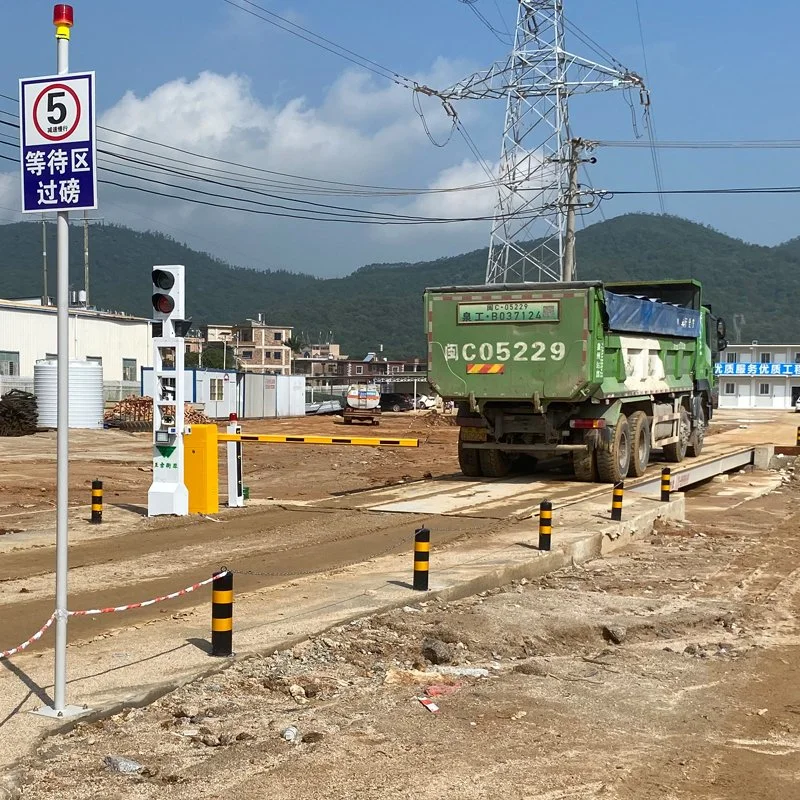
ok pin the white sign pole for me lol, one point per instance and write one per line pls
(57, 160)
(60, 708)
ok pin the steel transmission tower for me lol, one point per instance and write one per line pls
(538, 158)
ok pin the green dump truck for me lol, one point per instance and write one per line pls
(599, 373)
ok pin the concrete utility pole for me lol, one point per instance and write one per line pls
(572, 202)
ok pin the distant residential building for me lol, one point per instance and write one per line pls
(259, 347)
(330, 350)
(193, 344)
(262, 348)
(319, 371)
(217, 333)
(759, 376)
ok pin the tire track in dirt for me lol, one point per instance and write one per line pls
(284, 558)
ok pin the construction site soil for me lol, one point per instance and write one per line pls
(667, 671)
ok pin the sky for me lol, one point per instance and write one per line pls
(208, 78)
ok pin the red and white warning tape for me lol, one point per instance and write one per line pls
(130, 606)
(35, 637)
(38, 635)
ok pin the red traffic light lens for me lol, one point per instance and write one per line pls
(163, 303)
(163, 279)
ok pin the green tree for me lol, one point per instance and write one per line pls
(215, 356)
(295, 344)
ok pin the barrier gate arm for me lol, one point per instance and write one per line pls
(360, 441)
(201, 469)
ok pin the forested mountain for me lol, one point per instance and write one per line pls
(381, 303)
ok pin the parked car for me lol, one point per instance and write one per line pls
(425, 401)
(396, 402)
(797, 405)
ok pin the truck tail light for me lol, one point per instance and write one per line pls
(587, 424)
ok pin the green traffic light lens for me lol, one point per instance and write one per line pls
(163, 279)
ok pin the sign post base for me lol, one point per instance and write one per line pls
(66, 713)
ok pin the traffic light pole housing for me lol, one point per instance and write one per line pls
(168, 494)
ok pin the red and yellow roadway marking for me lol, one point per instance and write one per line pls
(486, 369)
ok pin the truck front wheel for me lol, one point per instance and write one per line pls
(469, 461)
(495, 463)
(613, 461)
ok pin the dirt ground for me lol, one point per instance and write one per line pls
(123, 462)
(634, 721)
(667, 671)
(130, 557)
(300, 472)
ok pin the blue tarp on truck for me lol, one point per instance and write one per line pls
(629, 314)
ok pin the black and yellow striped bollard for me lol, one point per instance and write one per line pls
(616, 501)
(97, 502)
(222, 614)
(797, 440)
(422, 557)
(666, 484)
(545, 524)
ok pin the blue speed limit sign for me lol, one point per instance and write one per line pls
(57, 143)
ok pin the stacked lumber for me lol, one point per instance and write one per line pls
(140, 409)
(18, 415)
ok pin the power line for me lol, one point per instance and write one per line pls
(341, 213)
(503, 38)
(591, 44)
(327, 186)
(649, 121)
(757, 144)
(273, 209)
(609, 193)
(475, 151)
(503, 19)
(324, 43)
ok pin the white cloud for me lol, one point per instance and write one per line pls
(469, 203)
(362, 130)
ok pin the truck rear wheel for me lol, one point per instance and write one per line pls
(469, 461)
(613, 462)
(585, 465)
(640, 444)
(495, 463)
(676, 452)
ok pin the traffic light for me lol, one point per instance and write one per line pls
(168, 300)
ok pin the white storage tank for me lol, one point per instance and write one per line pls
(86, 400)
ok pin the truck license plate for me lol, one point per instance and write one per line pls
(473, 434)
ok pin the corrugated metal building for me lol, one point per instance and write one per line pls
(28, 333)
